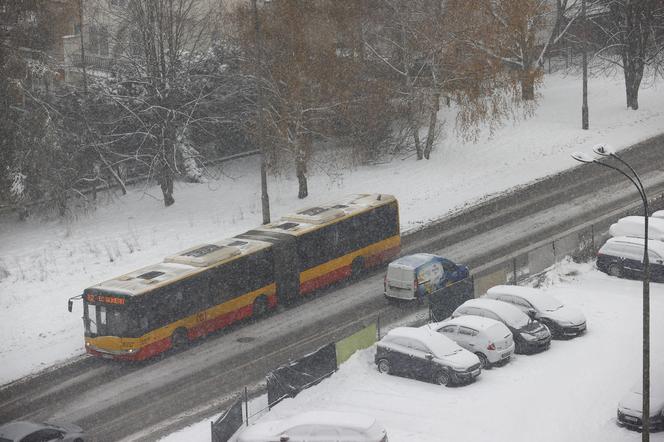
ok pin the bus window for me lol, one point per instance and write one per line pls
(117, 322)
(90, 318)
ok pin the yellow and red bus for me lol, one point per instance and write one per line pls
(209, 286)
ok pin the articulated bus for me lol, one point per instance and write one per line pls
(209, 286)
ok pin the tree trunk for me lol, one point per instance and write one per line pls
(301, 170)
(633, 76)
(166, 183)
(433, 118)
(416, 137)
(527, 85)
(301, 166)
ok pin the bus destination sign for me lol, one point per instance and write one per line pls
(105, 299)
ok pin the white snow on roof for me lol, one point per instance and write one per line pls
(634, 226)
(654, 245)
(504, 310)
(472, 321)
(437, 343)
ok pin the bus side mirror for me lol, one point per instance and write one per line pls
(70, 304)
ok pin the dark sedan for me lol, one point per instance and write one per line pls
(33, 431)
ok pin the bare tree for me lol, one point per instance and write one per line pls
(166, 83)
(633, 33)
(518, 33)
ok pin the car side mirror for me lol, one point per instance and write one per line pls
(70, 305)
(429, 356)
(532, 313)
(284, 438)
(659, 261)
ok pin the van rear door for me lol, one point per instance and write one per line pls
(400, 282)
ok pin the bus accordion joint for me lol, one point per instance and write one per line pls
(70, 302)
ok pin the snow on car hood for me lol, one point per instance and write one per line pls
(462, 359)
(566, 314)
(633, 401)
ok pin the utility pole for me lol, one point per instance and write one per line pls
(80, 21)
(584, 106)
(265, 199)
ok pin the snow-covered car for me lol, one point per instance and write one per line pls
(416, 276)
(38, 431)
(489, 339)
(317, 426)
(424, 354)
(630, 407)
(658, 214)
(623, 256)
(635, 226)
(562, 320)
(529, 334)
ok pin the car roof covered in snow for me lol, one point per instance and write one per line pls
(654, 245)
(505, 311)
(471, 321)
(414, 261)
(437, 343)
(273, 429)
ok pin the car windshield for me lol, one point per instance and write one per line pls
(546, 303)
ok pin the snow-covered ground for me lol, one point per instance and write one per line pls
(568, 393)
(44, 263)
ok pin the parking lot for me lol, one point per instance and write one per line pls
(569, 392)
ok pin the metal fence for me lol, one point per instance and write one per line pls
(289, 380)
(228, 423)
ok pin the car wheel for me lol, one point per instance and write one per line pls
(384, 366)
(442, 378)
(260, 307)
(552, 329)
(179, 339)
(484, 361)
(615, 270)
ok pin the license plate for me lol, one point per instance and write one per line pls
(107, 356)
(631, 419)
(506, 355)
(476, 373)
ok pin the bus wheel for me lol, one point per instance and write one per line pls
(179, 339)
(357, 268)
(260, 307)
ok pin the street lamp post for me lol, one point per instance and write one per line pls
(603, 151)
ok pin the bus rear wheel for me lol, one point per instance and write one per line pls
(179, 339)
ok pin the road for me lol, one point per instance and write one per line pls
(148, 400)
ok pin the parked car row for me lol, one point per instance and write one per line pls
(480, 333)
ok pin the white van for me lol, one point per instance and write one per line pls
(416, 276)
(489, 339)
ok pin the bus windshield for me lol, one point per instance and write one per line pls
(104, 320)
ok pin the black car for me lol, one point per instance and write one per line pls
(622, 256)
(530, 336)
(37, 431)
(424, 354)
